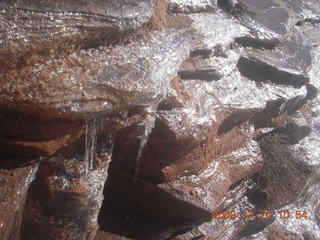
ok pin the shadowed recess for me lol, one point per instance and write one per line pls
(259, 71)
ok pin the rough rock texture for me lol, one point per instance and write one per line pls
(14, 187)
(144, 117)
(33, 31)
(69, 203)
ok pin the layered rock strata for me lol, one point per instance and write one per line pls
(138, 119)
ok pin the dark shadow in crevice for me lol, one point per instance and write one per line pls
(206, 75)
(313, 21)
(19, 126)
(232, 7)
(163, 148)
(168, 105)
(268, 44)
(204, 53)
(14, 155)
(235, 119)
(258, 199)
(141, 210)
(259, 71)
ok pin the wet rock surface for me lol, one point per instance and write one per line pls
(69, 204)
(73, 25)
(145, 118)
(15, 184)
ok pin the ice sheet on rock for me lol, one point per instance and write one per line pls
(265, 18)
(95, 182)
(204, 190)
(153, 64)
(314, 72)
(209, 187)
(222, 61)
(226, 64)
(310, 148)
(234, 91)
(305, 9)
(34, 31)
(106, 78)
(197, 114)
(125, 14)
(199, 105)
(243, 162)
(293, 55)
(76, 194)
(153, 61)
(217, 29)
(250, 154)
(18, 29)
(191, 6)
(199, 3)
(301, 226)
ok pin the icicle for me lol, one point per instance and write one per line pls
(143, 143)
(107, 147)
(90, 144)
(148, 125)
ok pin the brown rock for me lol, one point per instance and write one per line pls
(153, 200)
(49, 33)
(64, 201)
(101, 235)
(14, 185)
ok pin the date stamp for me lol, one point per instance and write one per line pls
(261, 214)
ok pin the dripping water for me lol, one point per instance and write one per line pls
(90, 144)
(147, 126)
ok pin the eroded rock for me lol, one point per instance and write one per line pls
(202, 100)
(72, 25)
(187, 7)
(14, 187)
(80, 84)
(69, 203)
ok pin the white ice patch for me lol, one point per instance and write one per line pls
(238, 92)
(193, 3)
(314, 72)
(217, 29)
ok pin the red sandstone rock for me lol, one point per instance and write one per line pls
(14, 186)
(68, 204)
(199, 99)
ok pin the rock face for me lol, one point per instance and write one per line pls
(14, 187)
(142, 119)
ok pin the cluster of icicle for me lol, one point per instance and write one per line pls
(92, 131)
